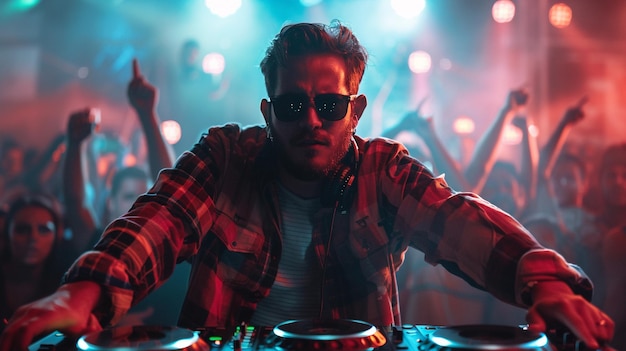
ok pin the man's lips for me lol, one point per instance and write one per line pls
(310, 142)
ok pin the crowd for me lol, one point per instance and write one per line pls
(571, 204)
(55, 207)
(44, 230)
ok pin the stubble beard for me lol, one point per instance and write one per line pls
(307, 171)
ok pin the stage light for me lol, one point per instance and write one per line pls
(463, 125)
(408, 8)
(213, 63)
(503, 11)
(129, 160)
(309, 3)
(15, 6)
(533, 131)
(171, 131)
(560, 15)
(82, 72)
(512, 135)
(223, 8)
(419, 62)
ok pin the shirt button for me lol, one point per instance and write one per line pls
(234, 243)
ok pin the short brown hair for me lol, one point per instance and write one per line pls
(314, 38)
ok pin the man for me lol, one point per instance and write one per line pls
(243, 202)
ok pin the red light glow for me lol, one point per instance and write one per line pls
(560, 15)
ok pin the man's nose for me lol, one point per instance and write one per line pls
(311, 119)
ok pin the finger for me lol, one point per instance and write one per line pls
(136, 72)
(536, 323)
(605, 328)
(18, 339)
(582, 101)
(94, 323)
(583, 325)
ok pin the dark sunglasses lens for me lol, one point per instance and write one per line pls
(290, 107)
(332, 107)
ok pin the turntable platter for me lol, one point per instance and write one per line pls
(344, 334)
(142, 338)
(488, 337)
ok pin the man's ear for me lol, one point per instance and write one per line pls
(360, 103)
(265, 110)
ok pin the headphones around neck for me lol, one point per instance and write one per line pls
(338, 190)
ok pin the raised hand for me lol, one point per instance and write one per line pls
(142, 95)
(415, 121)
(575, 113)
(80, 125)
(423, 126)
(516, 99)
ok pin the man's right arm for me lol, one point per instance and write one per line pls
(68, 310)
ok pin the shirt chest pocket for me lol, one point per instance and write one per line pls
(240, 256)
(371, 247)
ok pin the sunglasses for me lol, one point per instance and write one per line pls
(292, 107)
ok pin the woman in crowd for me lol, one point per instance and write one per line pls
(31, 266)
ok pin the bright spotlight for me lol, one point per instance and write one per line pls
(213, 63)
(560, 15)
(533, 130)
(14, 6)
(223, 8)
(171, 131)
(463, 125)
(82, 72)
(512, 135)
(309, 3)
(419, 62)
(503, 11)
(408, 8)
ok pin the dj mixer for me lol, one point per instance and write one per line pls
(348, 335)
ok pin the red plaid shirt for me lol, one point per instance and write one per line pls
(218, 208)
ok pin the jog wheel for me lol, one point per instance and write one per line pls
(142, 338)
(487, 337)
(337, 334)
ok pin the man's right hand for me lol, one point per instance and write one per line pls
(142, 95)
(68, 310)
(516, 99)
(80, 126)
(575, 113)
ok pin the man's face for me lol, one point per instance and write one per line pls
(613, 183)
(129, 191)
(311, 147)
(568, 184)
(13, 162)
